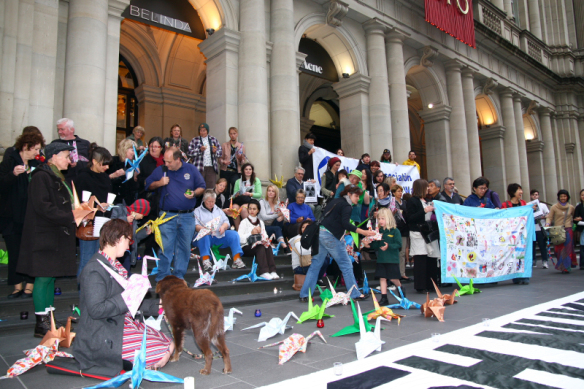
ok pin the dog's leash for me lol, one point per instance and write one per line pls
(216, 354)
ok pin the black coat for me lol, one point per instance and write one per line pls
(124, 191)
(415, 213)
(82, 151)
(579, 212)
(13, 193)
(98, 340)
(48, 239)
(99, 184)
(306, 162)
(147, 166)
(455, 199)
(339, 218)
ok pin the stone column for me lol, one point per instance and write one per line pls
(354, 112)
(222, 52)
(8, 70)
(499, 4)
(558, 149)
(508, 7)
(398, 96)
(522, 152)
(60, 66)
(534, 18)
(494, 158)
(570, 147)
(536, 170)
(472, 130)
(116, 7)
(437, 129)
(44, 66)
(578, 162)
(458, 131)
(253, 86)
(22, 75)
(379, 108)
(549, 159)
(85, 67)
(285, 104)
(512, 169)
(581, 132)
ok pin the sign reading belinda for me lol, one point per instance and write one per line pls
(454, 17)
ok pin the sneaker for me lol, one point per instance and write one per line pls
(545, 265)
(392, 287)
(267, 276)
(275, 275)
(207, 265)
(238, 264)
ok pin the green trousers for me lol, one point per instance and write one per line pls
(44, 293)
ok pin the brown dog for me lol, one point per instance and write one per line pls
(200, 310)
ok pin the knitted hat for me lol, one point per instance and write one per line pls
(140, 206)
(332, 161)
(204, 125)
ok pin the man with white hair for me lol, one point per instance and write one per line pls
(295, 183)
(80, 154)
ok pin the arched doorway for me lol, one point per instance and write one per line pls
(127, 113)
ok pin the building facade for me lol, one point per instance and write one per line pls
(377, 76)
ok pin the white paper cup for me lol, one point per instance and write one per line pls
(189, 382)
(110, 198)
(85, 195)
(338, 368)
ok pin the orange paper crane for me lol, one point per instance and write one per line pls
(448, 298)
(382, 311)
(433, 308)
(232, 212)
(63, 335)
(83, 211)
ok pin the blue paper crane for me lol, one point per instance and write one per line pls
(155, 270)
(365, 289)
(135, 164)
(276, 249)
(252, 274)
(139, 372)
(404, 303)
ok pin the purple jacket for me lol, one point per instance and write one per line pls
(197, 155)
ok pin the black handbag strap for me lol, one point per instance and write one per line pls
(324, 216)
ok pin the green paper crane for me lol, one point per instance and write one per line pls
(215, 250)
(326, 294)
(314, 312)
(356, 235)
(467, 289)
(354, 328)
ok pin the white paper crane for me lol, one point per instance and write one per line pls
(340, 297)
(154, 323)
(370, 341)
(204, 278)
(273, 327)
(229, 321)
(135, 287)
(220, 264)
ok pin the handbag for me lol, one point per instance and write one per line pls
(309, 238)
(557, 234)
(85, 231)
(253, 239)
(305, 260)
(429, 231)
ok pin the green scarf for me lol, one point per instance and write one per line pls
(58, 173)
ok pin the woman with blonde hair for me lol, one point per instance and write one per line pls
(124, 190)
(271, 215)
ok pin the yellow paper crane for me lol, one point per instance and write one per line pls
(280, 183)
(156, 228)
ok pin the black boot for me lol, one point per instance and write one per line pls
(43, 324)
(383, 302)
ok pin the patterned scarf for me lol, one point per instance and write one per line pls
(118, 266)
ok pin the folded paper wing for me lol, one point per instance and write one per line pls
(384, 312)
(448, 298)
(369, 341)
(135, 164)
(204, 278)
(36, 356)
(314, 311)
(251, 275)
(155, 224)
(355, 327)
(229, 321)
(62, 336)
(208, 228)
(433, 307)
(83, 211)
(404, 303)
(339, 297)
(273, 327)
(467, 289)
(292, 344)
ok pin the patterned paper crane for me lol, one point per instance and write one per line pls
(292, 344)
(384, 312)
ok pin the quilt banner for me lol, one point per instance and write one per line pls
(487, 245)
(405, 175)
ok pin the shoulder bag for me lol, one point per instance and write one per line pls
(309, 238)
(557, 234)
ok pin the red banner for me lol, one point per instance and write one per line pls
(454, 17)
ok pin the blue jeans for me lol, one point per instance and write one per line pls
(86, 250)
(329, 244)
(304, 270)
(542, 243)
(177, 234)
(231, 240)
(276, 230)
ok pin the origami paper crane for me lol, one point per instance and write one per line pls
(251, 276)
(368, 239)
(154, 323)
(220, 263)
(433, 307)
(280, 183)
(135, 287)
(326, 294)
(155, 270)
(369, 341)
(314, 312)
(384, 312)
(232, 212)
(283, 207)
(229, 321)
(139, 372)
(365, 289)
(355, 327)
(339, 297)
(63, 336)
(404, 303)
(135, 164)
(356, 235)
(155, 224)
(277, 248)
(204, 278)
(208, 228)
(83, 211)
(448, 298)
(273, 327)
(36, 356)
(292, 344)
(467, 289)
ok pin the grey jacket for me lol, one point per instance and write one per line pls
(121, 212)
(98, 343)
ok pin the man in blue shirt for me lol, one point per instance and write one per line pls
(179, 183)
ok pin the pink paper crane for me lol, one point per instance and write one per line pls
(204, 278)
(135, 287)
(208, 228)
(339, 297)
(292, 344)
(36, 356)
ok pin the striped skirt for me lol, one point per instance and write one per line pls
(157, 343)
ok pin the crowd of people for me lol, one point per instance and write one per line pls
(187, 187)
